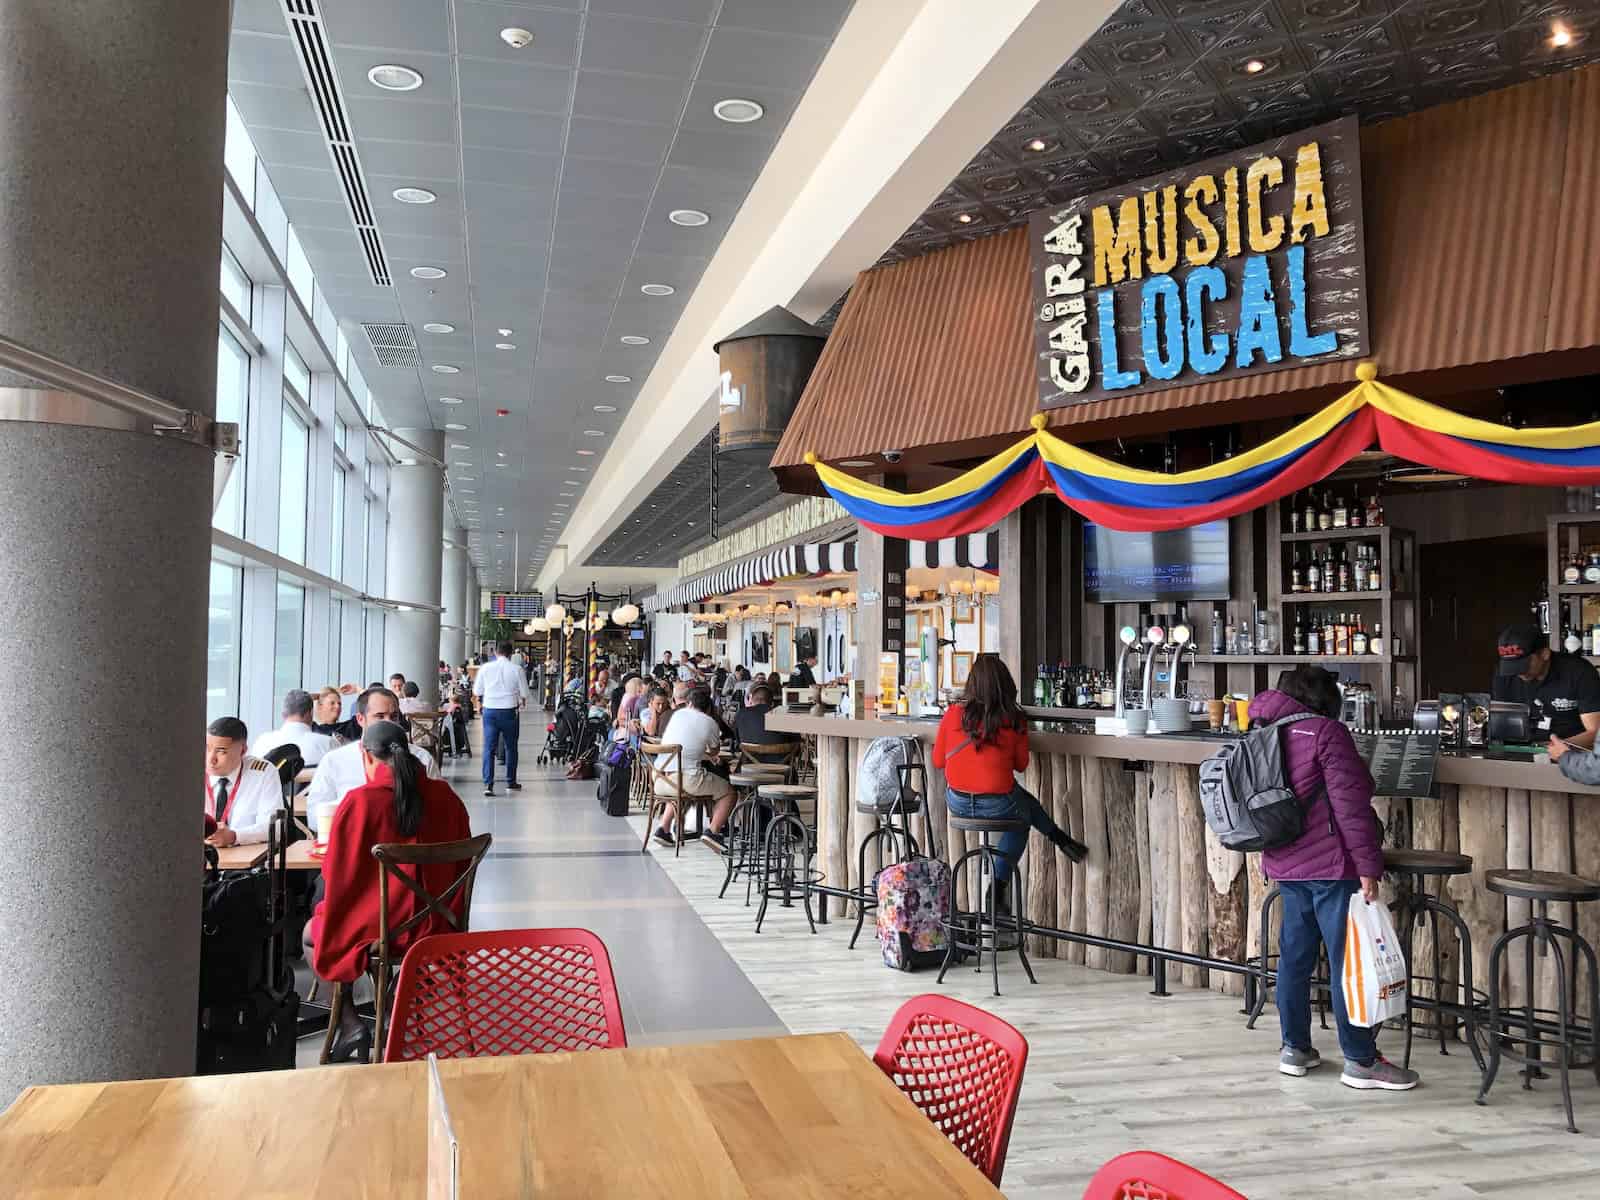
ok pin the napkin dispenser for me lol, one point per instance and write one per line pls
(1510, 723)
(1425, 718)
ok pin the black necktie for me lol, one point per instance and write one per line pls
(222, 801)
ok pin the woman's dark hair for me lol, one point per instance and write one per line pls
(1313, 687)
(386, 742)
(989, 702)
(700, 698)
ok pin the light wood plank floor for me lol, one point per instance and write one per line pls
(1114, 1069)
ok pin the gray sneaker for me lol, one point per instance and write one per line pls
(1382, 1075)
(1298, 1062)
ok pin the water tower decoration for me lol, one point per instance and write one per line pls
(765, 366)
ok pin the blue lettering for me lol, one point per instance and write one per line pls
(1303, 343)
(1161, 365)
(1258, 316)
(1111, 379)
(1207, 356)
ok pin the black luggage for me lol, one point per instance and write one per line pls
(235, 929)
(616, 785)
(255, 1033)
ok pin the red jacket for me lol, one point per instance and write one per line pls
(983, 768)
(346, 922)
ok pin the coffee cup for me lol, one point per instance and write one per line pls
(1216, 710)
(323, 812)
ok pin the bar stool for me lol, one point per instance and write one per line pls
(1527, 1025)
(985, 922)
(788, 849)
(907, 802)
(1414, 906)
(1264, 978)
(747, 826)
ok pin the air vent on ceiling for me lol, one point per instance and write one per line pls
(392, 343)
(316, 63)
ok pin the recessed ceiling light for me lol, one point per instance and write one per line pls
(450, 400)
(1037, 145)
(1560, 36)
(605, 408)
(738, 111)
(690, 217)
(438, 327)
(453, 427)
(459, 446)
(594, 433)
(619, 378)
(392, 77)
(964, 218)
(499, 464)
(575, 467)
(569, 493)
(856, 462)
(505, 346)
(572, 483)
(1255, 66)
(634, 339)
(466, 491)
(472, 479)
(500, 453)
(658, 289)
(503, 332)
(516, 37)
(587, 453)
(414, 195)
(445, 369)
(428, 272)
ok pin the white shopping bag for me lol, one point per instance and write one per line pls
(1374, 967)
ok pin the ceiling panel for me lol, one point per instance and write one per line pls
(613, 43)
(555, 33)
(713, 150)
(394, 24)
(616, 96)
(757, 59)
(401, 120)
(814, 18)
(280, 107)
(508, 129)
(526, 88)
(619, 141)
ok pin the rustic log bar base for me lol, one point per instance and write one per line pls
(1159, 896)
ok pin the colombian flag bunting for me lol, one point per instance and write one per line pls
(1120, 497)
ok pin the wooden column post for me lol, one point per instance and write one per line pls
(1193, 921)
(833, 781)
(1109, 820)
(1166, 859)
(1039, 863)
(1225, 902)
(1483, 836)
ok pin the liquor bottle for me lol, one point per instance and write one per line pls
(1573, 571)
(1591, 568)
(1308, 515)
(1341, 514)
(1356, 516)
(1374, 574)
(1314, 573)
(1294, 513)
(1344, 572)
(1358, 639)
(1378, 518)
(1570, 642)
(1218, 646)
(1375, 642)
(1341, 635)
(1374, 515)
(1314, 637)
(1325, 513)
(1297, 575)
(1300, 632)
(1330, 642)
(1041, 684)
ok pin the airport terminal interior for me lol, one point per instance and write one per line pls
(800, 598)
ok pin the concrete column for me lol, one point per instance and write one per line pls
(415, 562)
(474, 610)
(453, 640)
(111, 130)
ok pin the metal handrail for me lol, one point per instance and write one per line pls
(170, 420)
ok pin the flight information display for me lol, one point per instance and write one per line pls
(1168, 564)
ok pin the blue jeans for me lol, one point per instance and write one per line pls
(500, 723)
(1019, 804)
(1314, 912)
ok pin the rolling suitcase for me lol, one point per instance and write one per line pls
(913, 898)
(615, 787)
(255, 1033)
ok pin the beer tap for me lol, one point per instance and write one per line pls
(1128, 638)
(1156, 637)
(1181, 640)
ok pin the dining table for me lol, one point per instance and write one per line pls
(798, 1116)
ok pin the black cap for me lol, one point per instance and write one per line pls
(1518, 644)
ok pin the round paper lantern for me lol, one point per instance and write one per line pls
(556, 613)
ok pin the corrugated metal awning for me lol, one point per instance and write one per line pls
(1482, 237)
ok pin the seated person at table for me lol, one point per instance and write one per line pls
(981, 743)
(242, 791)
(653, 713)
(804, 675)
(295, 731)
(410, 701)
(774, 683)
(751, 723)
(328, 715)
(629, 703)
(395, 802)
(341, 770)
(693, 728)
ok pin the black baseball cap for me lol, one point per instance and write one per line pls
(1518, 644)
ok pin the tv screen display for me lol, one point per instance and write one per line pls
(1176, 564)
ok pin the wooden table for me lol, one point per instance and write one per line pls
(241, 858)
(799, 1117)
(306, 775)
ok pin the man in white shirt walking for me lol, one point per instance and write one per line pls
(343, 769)
(502, 690)
(242, 791)
(296, 730)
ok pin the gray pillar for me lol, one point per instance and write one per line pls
(474, 609)
(453, 595)
(111, 128)
(415, 562)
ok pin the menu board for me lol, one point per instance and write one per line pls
(1402, 761)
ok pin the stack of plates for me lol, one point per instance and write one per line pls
(1171, 716)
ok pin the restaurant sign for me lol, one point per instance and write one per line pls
(1251, 261)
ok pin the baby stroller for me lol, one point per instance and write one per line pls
(565, 733)
(454, 732)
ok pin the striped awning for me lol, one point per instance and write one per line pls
(977, 551)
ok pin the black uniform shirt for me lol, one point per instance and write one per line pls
(1570, 688)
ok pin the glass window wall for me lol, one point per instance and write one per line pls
(289, 640)
(222, 642)
(293, 466)
(233, 402)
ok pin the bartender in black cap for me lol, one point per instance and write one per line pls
(1562, 691)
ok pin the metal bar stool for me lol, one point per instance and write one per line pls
(1261, 981)
(985, 922)
(1414, 906)
(789, 848)
(747, 827)
(906, 802)
(1528, 1026)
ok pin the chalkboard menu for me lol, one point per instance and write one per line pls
(1402, 761)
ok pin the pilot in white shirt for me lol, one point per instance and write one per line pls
(296, 730)
(341, 769)
(241, 791)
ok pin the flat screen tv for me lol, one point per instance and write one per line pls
(1176, 564)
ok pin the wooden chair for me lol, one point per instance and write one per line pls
(672, 776)
(756, 757)
(513, 991)
(392, 857)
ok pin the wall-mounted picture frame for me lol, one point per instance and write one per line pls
(785, 652)
(960, 668)
(962, 610)
(805, 643)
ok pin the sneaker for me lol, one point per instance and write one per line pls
(715, 841)
(513, 786)
(1298, 1062)
(489, 791)
(1382, 1075)
(663, 836)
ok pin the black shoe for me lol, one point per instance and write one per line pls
(715, 841)
(1071, 847)
(352, 1049)
(513, 786)
(662, 836)
(489, 790)
(1002, 899)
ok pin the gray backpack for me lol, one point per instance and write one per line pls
(892, 775)
(1245, 792)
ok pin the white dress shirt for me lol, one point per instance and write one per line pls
(313, 745)
(501, 684)
(254, 794)
(342, 770)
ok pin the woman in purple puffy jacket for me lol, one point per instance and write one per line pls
(1338, 854)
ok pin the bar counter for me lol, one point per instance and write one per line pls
(1157, 877)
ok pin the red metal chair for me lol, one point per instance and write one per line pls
(1146, 1175)
(963, 1068)
(512, 991)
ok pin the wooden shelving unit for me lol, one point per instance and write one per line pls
(1564, 538)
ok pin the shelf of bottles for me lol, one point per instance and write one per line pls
(1570, 609)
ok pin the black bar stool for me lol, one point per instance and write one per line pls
(789, 848)
(746, 829)
(984, 924)
(901, 843)
(1263, 979)
(1414, 906)
(1527, 1026)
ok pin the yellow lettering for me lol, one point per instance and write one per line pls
(1230, 210)
(1161, 230)
(1117, 254)
(1310, 201)
(1264, 175)
(1201, 249)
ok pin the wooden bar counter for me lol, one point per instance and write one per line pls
(1155, 875)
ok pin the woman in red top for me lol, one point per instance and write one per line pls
(982, 741)
(398, 803)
